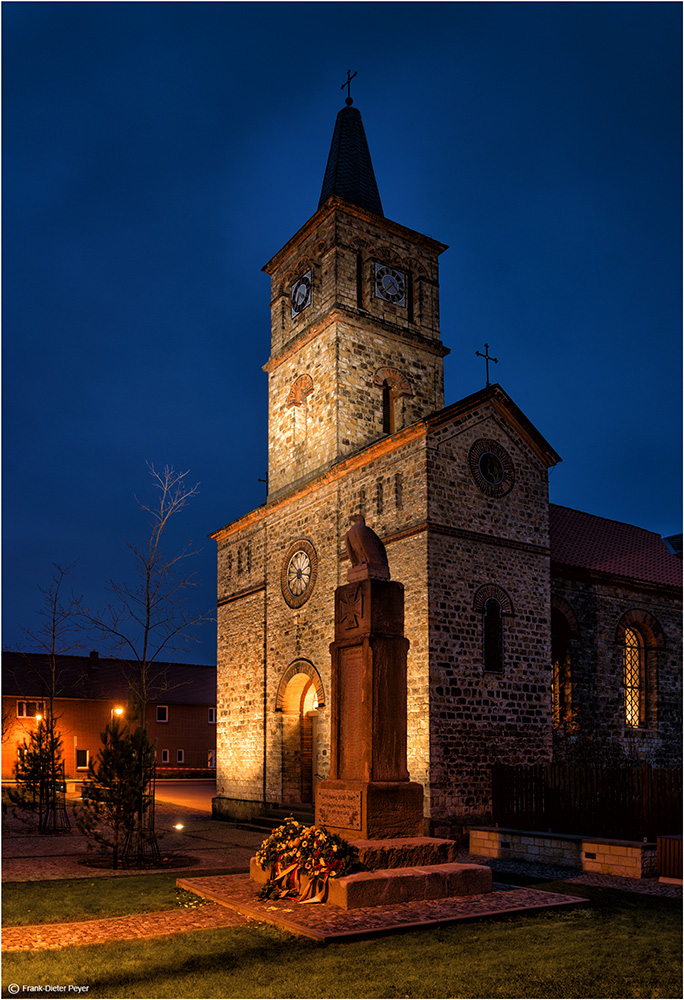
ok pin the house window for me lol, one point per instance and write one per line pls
(162, 713)
(211, 758)
(81, 760)
(30, 709)
(165, 756)
(492, 624)
(180, 756)
(212, 716)
(633, 664)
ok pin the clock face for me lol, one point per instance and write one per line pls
(390, 284)
(301, 294)
(298, 573)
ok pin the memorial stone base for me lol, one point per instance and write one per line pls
(398, 885)
(370, 810)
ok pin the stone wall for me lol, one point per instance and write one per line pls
(627, 858)
(598, 604)
(500, 543)
(328, 364)
(388, 485)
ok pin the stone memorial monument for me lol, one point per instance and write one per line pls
(368, 794)
(368, 798)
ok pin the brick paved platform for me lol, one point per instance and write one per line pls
(327, 923)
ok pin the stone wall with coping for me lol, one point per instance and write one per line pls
(628, 858)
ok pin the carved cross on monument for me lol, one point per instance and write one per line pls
(487, 358)
(349, 100)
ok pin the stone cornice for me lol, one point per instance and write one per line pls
(342, 314)
(504, 405)
(335, 203)
(365, 456)
(239, 594)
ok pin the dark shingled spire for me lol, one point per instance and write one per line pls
(349, 172)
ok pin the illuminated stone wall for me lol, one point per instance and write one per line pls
(497, 542)
(388, 485)
(328, 363)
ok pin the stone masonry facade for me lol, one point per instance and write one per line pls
(459, 495)
(598, 607)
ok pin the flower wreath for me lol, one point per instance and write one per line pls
(301, 859)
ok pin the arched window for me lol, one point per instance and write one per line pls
(492, 623)
(640, 641)
(493, 603)
(387, 409)
(395, 385)
(634, 671)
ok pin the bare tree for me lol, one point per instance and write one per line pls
(57, 635)
(146, 622)
(40, 771)
(151, 619)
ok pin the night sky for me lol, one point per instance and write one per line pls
(156, 155)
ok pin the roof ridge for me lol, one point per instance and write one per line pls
(600, 517)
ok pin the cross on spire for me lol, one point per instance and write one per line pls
(349, 100)
(487, 358)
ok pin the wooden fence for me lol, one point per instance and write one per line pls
(625, 803)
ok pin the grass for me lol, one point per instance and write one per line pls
(624, 945)
(88, 899)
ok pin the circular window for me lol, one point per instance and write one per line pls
(298, 573)
(491, 467)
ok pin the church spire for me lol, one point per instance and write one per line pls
(349, 173)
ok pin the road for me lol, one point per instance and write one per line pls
(194, 793)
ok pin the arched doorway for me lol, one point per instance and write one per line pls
(300, 695)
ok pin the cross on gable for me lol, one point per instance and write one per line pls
(487, 358)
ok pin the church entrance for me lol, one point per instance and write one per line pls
(299, 704)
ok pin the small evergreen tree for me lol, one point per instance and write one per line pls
(39, 774)
(121, 788)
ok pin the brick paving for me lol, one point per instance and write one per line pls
(51, 937)
(328, 923)
(212, 846)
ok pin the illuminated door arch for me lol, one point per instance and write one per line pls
(300, 695)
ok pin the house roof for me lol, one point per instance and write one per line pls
(349, 171)
(596, 543)
(102, 678)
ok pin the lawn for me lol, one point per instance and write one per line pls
(623, 945)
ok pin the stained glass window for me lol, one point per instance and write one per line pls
(633, 665)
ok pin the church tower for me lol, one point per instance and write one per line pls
(355, 344)
(458, 495)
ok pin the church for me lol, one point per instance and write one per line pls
(537, 633)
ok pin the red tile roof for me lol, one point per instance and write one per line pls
(590, 542)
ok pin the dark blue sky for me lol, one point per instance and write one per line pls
(156, 155)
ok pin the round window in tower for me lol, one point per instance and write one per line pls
(491, 467)
(298, 573)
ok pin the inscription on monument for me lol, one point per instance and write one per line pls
(339, 807)
(351, 745)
